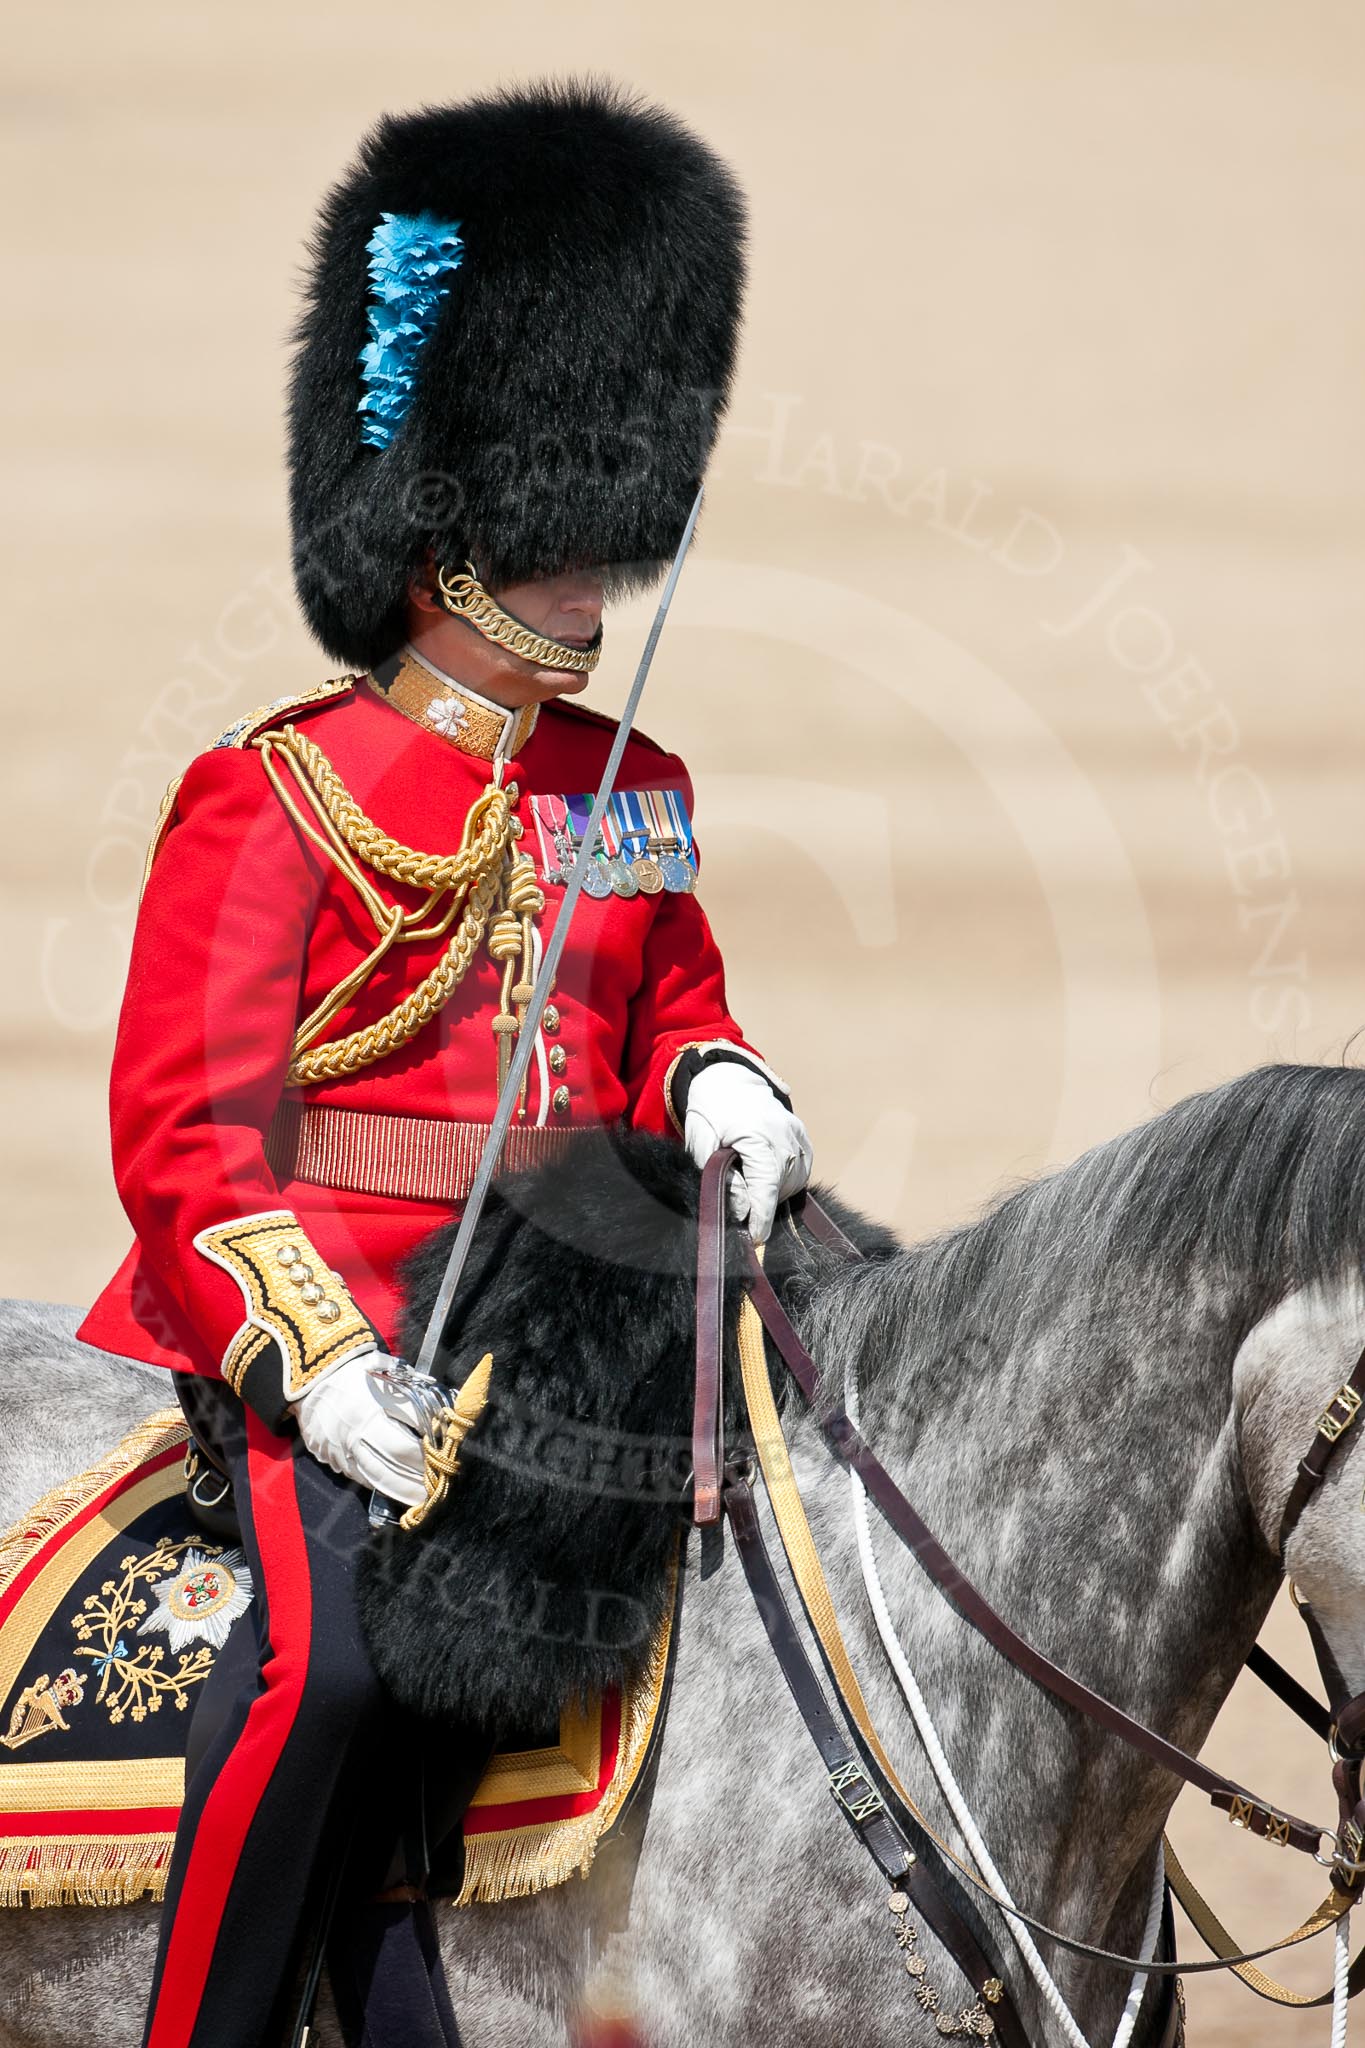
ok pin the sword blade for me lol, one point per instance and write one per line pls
(525, 1047)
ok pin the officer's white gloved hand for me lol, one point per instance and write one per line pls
(343, 1424)
(730, 1104)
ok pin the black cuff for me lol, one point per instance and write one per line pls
(689, 1064)
(261, 1387)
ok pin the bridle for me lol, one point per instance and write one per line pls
(861, 1777)
(1345, 1719)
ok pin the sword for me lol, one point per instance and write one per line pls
(398, 1398)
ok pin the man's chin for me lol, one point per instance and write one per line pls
(562, 682)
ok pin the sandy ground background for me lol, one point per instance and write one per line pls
(1041, 502)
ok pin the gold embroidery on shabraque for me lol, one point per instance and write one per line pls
(38, 1709)
(133, 1680)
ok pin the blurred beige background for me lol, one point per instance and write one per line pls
(1019, 662)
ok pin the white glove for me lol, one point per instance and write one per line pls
(730, 1104)
(343, 1424)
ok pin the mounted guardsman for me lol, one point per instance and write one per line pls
(517, 346)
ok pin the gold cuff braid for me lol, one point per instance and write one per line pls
(464, 597)
(291, 1296)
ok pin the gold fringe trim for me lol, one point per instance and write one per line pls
(516, 1862)
(520, 1861)
(95, 1870)
(158, 1432)
(84, 1870)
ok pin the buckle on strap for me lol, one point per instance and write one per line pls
(1259, 1820)
(1333, 1425)
(1353, 1755)
(1345, 1861)
(859, 1798)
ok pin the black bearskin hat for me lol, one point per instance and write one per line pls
(517, 345)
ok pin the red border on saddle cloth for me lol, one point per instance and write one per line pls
(27, 1573)
(520, 1837)
(525, 1813)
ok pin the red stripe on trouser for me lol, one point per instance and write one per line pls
(236, 1791)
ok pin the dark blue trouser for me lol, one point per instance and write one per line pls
(297, 1757)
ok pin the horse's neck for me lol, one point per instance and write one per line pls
(1099, 1505)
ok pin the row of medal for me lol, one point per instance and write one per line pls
(645, 845)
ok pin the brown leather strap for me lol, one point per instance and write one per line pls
(819, 1223)
(1346, 1726)
(1343, 1724)
(1243, 1807)
(1287, 1689)
(852, 1784)
(1317, 1924)
(1333, 1423)
(1347, 1732)
(1346, 1741)
(708, 1416)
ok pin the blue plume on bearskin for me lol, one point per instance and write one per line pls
(560, 406)
(410, 255)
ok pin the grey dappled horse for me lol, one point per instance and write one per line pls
(1096, 1395)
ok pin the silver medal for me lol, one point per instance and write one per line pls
(677, 873)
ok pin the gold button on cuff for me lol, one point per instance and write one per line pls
(559, 1059)
(559, 1101)
(550, 1018)
(290, 1296)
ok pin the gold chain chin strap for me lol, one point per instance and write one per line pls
(485, 879)
(465, 598)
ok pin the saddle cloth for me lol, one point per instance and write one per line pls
(113, 1607)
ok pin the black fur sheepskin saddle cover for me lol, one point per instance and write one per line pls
(543, 1577)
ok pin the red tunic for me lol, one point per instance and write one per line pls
(244, 926)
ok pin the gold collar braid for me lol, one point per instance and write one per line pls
(465, 598)
(490, 886)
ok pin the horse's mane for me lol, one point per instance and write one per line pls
(1239, 1195)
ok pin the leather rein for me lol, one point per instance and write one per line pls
(862, 1780)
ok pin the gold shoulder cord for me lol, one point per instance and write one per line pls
(490, 888)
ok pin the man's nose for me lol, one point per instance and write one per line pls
(583, 597)
(584, 609)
